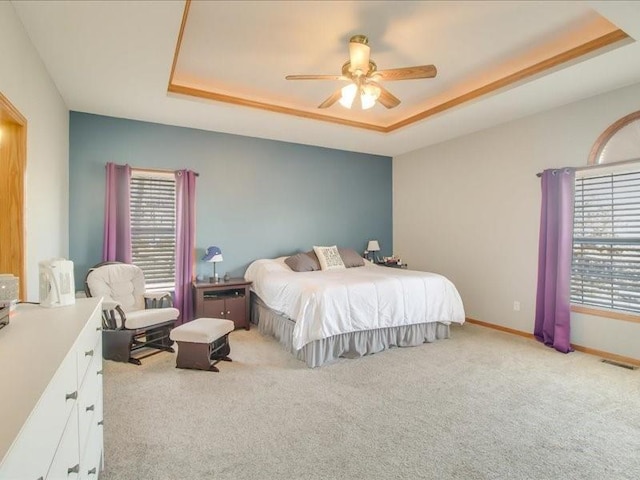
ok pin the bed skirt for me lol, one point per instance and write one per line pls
(348, 345)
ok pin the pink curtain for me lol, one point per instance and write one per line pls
(117, 226)
(552, 325)
(185, 242)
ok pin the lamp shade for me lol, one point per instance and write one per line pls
(213, 254)
(373, 246)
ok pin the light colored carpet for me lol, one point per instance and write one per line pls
(481, 405)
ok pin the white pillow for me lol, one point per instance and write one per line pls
(329, 258)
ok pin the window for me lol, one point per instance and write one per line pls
(605, 271)
(606, 241)
(153, 227)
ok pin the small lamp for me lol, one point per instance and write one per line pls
(213, 255)
(373, 246)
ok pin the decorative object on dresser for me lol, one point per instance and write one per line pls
(213, 255)
(51, 415)
(133, 319)
(4, 315)
(8, 297)
(56, 283)
(9, 286)
(228, 300)
(202, 343)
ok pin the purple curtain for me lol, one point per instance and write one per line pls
(117, 228)
(185, 242)
(554, 259)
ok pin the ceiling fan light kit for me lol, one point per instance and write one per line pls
(364, 76)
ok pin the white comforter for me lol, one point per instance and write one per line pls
(327, 303)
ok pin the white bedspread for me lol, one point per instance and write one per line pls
(327, 303)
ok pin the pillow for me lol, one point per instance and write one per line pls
(303, 262)
(351, 258)
(329, 258)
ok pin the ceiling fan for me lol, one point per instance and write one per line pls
(364, 77)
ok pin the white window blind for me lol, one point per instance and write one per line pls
(153, 227)
(606, 242)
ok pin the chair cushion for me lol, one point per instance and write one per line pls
(121, 282)
(202, 330)
(152, 316)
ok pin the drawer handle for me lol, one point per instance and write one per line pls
(90, 408)
(222, 313)
(92, 471)
(88, 353)
(74, 469)
(98, 329)
(71, 396)
(228, 312)
(40, 478)
(99, 372)
(100, 423)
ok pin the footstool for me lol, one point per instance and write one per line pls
(202, 343)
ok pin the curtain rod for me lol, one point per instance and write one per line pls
(163, 170)
(600, 165)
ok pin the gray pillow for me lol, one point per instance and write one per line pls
(351, 258)
(303, 262)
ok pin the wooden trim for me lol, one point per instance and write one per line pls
(501, 328)
(219, 97)
(10, 113)
(176, 53)
(591, 351)
(538, 68)
(605, 136)
(157, 170)
(627, 317)
(518, 76)
(13, 162)
(609, 356)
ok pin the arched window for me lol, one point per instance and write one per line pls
(618, 143)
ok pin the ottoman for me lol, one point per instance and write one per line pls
(202, 343)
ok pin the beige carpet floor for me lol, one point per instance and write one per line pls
(481, 405)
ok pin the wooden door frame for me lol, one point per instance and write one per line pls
(13, 132)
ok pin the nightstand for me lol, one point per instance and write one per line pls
(227, 300)
(394, 265)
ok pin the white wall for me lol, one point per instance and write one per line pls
(25, 82)
(469, 208)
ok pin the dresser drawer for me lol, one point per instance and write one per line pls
(89, 398)
(87, 341)
(66, 462)
(91, 463)
(30, 455)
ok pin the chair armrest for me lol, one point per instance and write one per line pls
(108, 304)
(110, 311)
(157, 299)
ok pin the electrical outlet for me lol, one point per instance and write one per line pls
(516, 305)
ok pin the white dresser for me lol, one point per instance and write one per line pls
(51, 393)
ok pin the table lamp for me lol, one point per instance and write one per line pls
(372, 248)
(213, 255)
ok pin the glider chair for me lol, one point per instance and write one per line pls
(132, 319)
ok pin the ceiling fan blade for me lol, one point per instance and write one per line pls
(359, 53)
(387, 99)
(315, 77)
(335, 96)
(407, 73)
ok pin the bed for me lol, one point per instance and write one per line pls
(322, 315)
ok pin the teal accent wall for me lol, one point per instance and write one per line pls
(255, 198)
